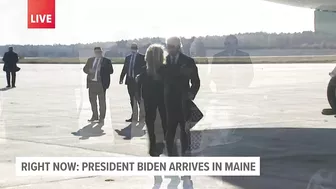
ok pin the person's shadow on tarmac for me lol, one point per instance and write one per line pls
(132, 130)
(6, 89)
(90, 130)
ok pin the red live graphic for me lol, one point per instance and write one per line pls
(41, 14)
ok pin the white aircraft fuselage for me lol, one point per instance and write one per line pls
(326, 5)
(325, 13)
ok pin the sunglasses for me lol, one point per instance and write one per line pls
(171, 46)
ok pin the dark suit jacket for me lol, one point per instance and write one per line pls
(106, 70)
(139, 66)
(149, 87)
(175, 81)
(242, 57)
(10, 62)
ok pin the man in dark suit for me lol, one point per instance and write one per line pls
(98, 70)
(178, 73)
(231, 50)
(133, 65)
(10, 59)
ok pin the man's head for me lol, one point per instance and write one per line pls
(134, 48)
(231, 43)
(10, 49)
(98, 51)
(174, 45)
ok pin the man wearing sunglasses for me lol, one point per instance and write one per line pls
(180, 70)
(133, 66)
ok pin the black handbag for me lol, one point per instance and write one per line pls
(17, 69)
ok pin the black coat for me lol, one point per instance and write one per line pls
(178, 82)
(177, 79)
(10, 62)
(106, 70)
(244, 58)
(139, 65)
(148, 87)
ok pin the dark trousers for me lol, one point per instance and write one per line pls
(177, 110)
(132, 89)
(97, 90)
(152, 103)
(176, 116)
(8, 74)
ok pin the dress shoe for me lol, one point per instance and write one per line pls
(93, 119)
(129, 120)
(8, 86)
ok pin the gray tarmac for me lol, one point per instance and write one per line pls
(267, 110)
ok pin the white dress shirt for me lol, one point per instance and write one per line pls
(96, 63)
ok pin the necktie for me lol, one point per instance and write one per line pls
(173, 59)
(133, 62)
(95, 67)
(131, 71)
(96, 64)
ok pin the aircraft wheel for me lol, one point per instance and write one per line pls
(331, 93)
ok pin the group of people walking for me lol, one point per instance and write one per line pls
(167, 83)
(161, 80)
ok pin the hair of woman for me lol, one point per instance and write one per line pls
(155, 57)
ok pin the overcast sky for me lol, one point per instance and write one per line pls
(85, 21)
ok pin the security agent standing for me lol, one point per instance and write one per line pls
(133, 65)
(177, 74)
(10, 59)
(98, 70)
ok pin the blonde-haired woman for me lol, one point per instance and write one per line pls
(152, 92)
